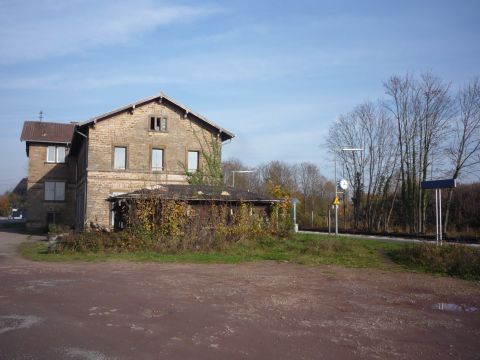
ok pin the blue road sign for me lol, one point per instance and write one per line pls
(439, 184)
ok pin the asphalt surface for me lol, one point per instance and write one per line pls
(386, 238)
(265, 310)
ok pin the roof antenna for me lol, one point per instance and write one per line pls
(40, 115)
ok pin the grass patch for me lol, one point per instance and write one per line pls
(301, 249)
(453, 260)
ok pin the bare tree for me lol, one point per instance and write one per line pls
(464, 151)
(371, 170)
(310, 183)
(400, 91)
(422, 110)
(435, 117)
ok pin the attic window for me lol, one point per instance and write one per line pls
(56, 154)
(158, 123)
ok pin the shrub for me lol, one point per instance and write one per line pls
(172, 226)
(454, 260)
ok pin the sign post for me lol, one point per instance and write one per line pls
(438, 185)
(335, 204)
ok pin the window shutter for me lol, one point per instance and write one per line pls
(163, 126)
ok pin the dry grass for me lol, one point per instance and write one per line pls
(453, 260)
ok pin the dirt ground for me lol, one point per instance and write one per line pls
(264, 310)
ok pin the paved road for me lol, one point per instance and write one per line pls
(120, 310)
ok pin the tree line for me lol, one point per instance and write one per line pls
(422, 129)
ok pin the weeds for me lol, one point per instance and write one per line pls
(173, 226)
(454, 260)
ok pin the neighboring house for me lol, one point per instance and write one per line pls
(74, 168)
(21, 188)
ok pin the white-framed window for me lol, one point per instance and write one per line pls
(56, 154)
(159, 123)
(157, 159)
(54, 190)
(192, 161)
(119, 158)
(60, 154)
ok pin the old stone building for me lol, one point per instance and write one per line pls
(74, 168)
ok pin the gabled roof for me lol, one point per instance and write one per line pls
(38, 131)
(225, 134)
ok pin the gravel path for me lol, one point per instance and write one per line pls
(263, 310)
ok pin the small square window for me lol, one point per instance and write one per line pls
(54, 190)
(158, 123)
(56, 154)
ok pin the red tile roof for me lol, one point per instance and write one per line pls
(38, 131)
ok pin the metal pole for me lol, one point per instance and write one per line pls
(294, 213)
(329, 221)
(312, 218)
(436, 216)
(233, 179)
(440, 215)
(336, 206)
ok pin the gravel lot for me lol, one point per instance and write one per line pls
(264, 310)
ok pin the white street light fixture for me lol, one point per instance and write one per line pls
(295, 201)
(240, 172)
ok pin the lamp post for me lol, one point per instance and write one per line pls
(240, 172)
(295, 201)
(336, 185)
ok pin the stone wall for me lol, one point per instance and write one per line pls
(132, 130)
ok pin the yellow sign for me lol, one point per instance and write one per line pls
(336, 201)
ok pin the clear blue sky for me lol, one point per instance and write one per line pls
(276, 73)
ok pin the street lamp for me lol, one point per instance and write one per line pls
(295, 201)
(336, 185)
(240, 172)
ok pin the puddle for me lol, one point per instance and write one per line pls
(16, 322)
(454, 307)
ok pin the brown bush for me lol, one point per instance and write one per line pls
(164, 225)
(454, 260)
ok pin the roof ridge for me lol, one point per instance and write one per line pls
(47, 122)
